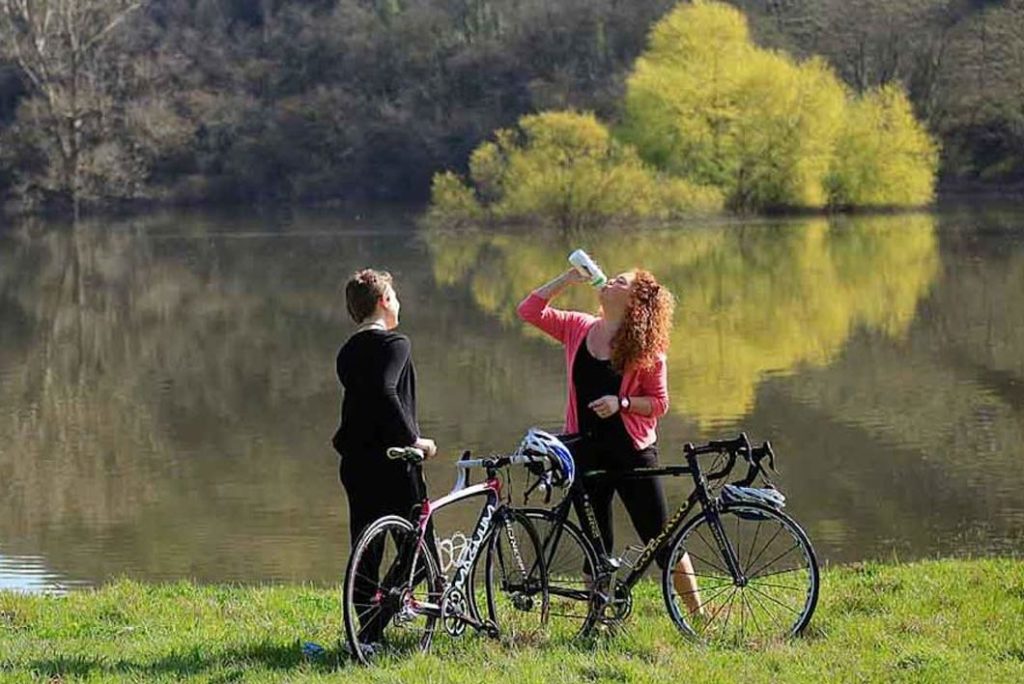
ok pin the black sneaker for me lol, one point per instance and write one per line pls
(368, 650)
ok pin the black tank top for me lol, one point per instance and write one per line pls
(594, 378)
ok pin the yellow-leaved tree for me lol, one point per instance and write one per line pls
(884, 156)
(564, 168)
(710, 119)
(706, 104)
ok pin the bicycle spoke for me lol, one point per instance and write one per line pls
(737, 533)
(701, 535)
(796, 545)
(766, 546)
(742, 620)
(718, 592)
(704, 588)
(723, 571)
(714, 616)
(369, 611)
(720, 576)
(773, 599)
(373, 583)
(750, 608)
(777, 621)
(788, 587)
(710, 547)
(727, 607)
(782, 572)
(753, 543)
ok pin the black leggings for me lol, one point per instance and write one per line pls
(643, 498)
(389, 489)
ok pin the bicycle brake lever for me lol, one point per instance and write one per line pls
(771, 456)
(526, 495)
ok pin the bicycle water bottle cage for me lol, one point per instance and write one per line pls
(630, 555)
(732, 494)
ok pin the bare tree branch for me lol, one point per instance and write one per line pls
(58, 46)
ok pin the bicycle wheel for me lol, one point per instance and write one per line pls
(570, 561)
(515, 579)
(778, 589)
(389, 575)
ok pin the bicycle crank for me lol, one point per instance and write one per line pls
(453, 608)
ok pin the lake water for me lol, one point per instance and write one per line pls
(167, 389)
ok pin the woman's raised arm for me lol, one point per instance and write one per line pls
(535, 310)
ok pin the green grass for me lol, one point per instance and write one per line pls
(939, 621)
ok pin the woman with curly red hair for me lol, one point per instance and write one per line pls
(618, 388)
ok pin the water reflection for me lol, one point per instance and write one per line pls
(167, 392)
(752, 301)
(31, 574)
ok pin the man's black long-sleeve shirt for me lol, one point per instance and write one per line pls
(379, 409)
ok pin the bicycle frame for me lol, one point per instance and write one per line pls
(701, 494)
(491, 488)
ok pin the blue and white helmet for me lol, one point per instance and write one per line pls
(562, 468)
(738, 495)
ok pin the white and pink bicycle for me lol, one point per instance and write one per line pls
(395, 592)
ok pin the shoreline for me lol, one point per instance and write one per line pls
(948, 195)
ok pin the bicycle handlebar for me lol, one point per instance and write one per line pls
(494, 462)
(731, 446)
(755, 467)
(734, 447)
(491, 463)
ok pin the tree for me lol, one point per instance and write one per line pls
(566, 168)
(60, 46)
(707, 104)
(884, 156)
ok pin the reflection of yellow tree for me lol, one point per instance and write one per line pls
(751, 301)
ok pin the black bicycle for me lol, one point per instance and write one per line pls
(739, 571)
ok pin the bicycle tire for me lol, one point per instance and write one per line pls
(761, 536)
(383, 605)
(573, 612)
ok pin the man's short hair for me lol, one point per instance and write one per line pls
(363, 290)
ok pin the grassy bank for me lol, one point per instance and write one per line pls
(935, 621)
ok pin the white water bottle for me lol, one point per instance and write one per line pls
(588, 268)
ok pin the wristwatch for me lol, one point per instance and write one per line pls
(624, 403)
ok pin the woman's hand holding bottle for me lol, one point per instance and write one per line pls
(552, 289)
(574, 277)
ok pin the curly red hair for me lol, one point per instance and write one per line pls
(645, 328)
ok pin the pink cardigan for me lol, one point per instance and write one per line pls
(570, 328)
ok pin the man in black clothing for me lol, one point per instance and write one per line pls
(379, 410)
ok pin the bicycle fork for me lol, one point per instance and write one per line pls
(725, 546)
